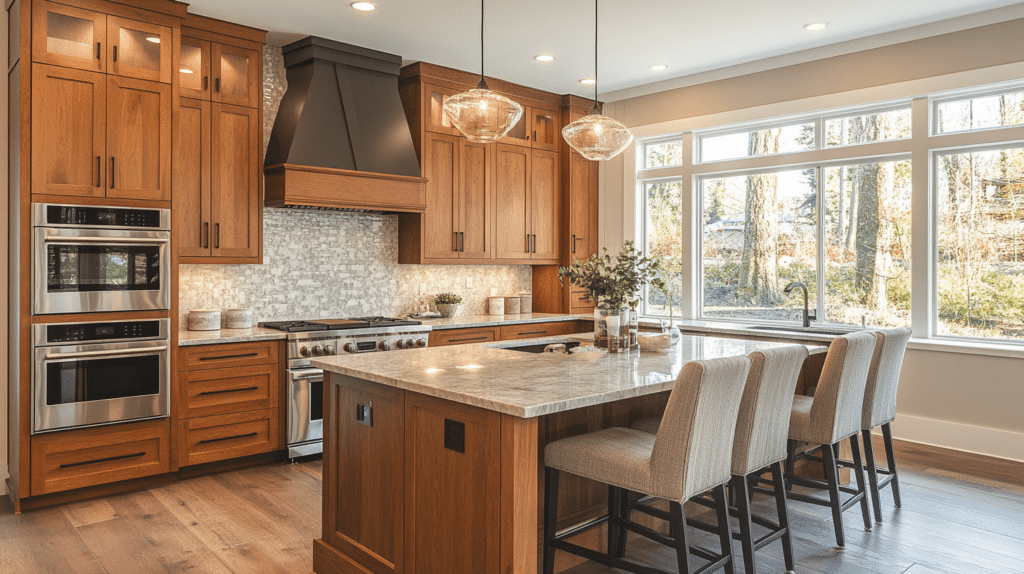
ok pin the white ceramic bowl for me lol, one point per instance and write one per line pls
(240, 318)
(204, 320)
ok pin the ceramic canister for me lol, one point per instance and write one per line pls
(240, 318)
(496, 305)
(204, 319)
(525, 303)
(512, 305)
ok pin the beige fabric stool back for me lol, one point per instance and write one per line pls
(838, 400)
(884, 377)
(763, 425)
(693, 448)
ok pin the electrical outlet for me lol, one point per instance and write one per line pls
(469, 282)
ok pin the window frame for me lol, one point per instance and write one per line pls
(935, 100)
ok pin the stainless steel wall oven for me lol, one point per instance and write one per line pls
(90, 258)
(97, 373)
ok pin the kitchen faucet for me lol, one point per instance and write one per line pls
(807, 314)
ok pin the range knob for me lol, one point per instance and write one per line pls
(421, 342)
(318, 350)
(411, 343)
(304, 351)
(328, 350)
(384, 346)
(401, 344)
(350, 347)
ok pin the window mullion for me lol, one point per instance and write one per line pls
(820, 273)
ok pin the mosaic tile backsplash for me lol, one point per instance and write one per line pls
(319, 265)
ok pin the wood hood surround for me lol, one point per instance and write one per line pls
(341, 139)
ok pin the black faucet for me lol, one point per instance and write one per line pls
(807, 313)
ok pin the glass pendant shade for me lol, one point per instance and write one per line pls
(597, 137)
(481, 115)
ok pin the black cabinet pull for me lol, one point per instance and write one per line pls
(481, 338)
(455, 241)
(216, 230)
(532, 332)
(246, 435)
(206, 83)
(99, 50)
(462, 241)
(113, 169)
(574, 243)
(534, 135)
(204, 237)
(115, 52)
(527, 242)
(98, 460)
(216, 84)
(220, 392)
(221, 357)
(99, 171)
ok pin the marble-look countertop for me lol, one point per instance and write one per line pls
(188, 338)
(823, 334)
(461, 322)
(494, 377)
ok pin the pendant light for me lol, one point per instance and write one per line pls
(595, 136)
(481, 115)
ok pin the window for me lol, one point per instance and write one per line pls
(663, 153)
(751, 143)
(980, 239)
(664, 238)
(866, 128)
(979, 112)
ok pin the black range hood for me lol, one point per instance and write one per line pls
(341, 139)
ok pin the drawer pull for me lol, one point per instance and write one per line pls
(246, 435)
(222, 357)
(482, 338)
(241, 390)
(532, 332)
(98, 460)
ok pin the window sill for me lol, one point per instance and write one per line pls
(968, 347)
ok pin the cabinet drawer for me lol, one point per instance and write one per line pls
(224, 391)
(76, 459)
(463, 336)
(221, 437)
(531, 330)
(578, 301)
(228, 355)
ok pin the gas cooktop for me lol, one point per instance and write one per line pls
(337, 324)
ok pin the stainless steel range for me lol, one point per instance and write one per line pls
(325, 337)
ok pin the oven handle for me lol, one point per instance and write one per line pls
(80, 354)
(110, 240)
(300, 375)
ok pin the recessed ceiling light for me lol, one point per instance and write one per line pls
(154, 39)
(185, 71)
(364, 6)
(816, 26)
(544, 58)
(588, 81)
(659, 67)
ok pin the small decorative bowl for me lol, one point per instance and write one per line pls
(238, 318)
(204, 320)
(447, 309)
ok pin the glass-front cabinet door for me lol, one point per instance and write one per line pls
(69, 37)
(235, 76)
(194, 68)
(139, 50)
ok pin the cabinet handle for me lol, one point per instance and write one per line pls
(206, 83)
(99, 460)
(99, 171)
(246, 435)
(204, 237)
(216, 85)
(455, 241)
(112, 171)
(534, 135)
(527, 242)
(220, 392)
(115, 52)
(462, 241)
(544, 332)
(574, 243)
(533, 244)
(216, 235)
(220, 357)
(99, 50)
(481, 338)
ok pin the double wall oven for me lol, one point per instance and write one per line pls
(99, 259)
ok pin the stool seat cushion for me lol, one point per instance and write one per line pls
(650, 425)
(800, 418)
(617, 456)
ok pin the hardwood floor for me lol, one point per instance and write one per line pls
(960, 514)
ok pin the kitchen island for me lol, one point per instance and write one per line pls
(433, 457)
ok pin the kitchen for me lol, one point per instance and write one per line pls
(352, 260)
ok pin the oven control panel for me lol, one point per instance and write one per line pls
(64, 333)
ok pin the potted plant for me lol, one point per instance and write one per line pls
(614, 285)
(447, 303)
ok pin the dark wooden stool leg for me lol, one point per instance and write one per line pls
(677, 530)
(783, 511)
(869, 459)
(550, 515)
(790, 460)
(890, 459)
(740, 488)
(724, 531)
(858, 468)
(832, 476)
(616, 533)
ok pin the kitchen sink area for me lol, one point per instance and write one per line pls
(808, 330)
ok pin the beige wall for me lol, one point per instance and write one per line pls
(966, 401)
(3, 257)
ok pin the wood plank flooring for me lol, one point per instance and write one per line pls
(960, 514)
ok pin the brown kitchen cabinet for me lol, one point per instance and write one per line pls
(532, 330)
(74, 37)
(537, 129)
(468, 335)
(434, 118)
(100, 136)
(463, 336)
(219, 72)
(527, 201)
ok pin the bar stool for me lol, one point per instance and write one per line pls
(689, 455)
(762, 428)
(831, 416)
(880, 410)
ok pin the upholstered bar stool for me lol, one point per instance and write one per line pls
(880, 410)
(690, 455)
(762, 428)
(831, 416)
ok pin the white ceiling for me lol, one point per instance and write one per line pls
(688, 36)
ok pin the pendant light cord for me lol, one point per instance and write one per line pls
(595, 54)
(483, 82)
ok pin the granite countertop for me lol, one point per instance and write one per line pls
(187, 338)
(491, 376)
(461, 322)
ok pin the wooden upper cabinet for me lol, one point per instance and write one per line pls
(68, 36)
(512, 194)
(138, 50)
(476, 211)
(68, 131)
(236, 205)
(236, 75)
(138, 139)
(521, 133)
(544, 206)
(440, 221)
(546, 133)
(192, 179)
(581, 202)
(434, 119)
(194, 68)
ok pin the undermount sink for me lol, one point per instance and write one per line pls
(809, 330)
(539, 348)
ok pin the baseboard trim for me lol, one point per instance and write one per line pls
(998, 443)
